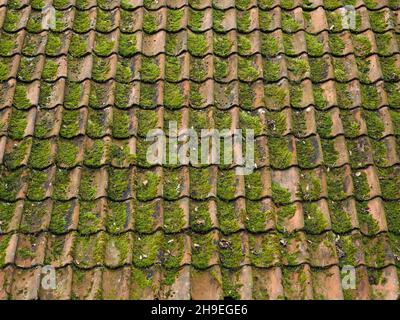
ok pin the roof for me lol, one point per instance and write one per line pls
(76, 193)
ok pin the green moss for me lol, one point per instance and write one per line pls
(198, 69)
(123, 244)
(319, 68)
(121, 155)
(362, 45)
(228, 217)
(367, 223)
(307, 152)
(25, 253)
(196, 98)
(100, 72)
(10, 183)
(370, 97)
(174, 19)
(296, 96)
(124, 71)
(70, 123)
(97, 124)
(220, 69)
(7, 44)
(118, 184)
(243, 21)
(103, 45)
(140, 281)
(341, 222)
(60, 217)
(265, 20)
(33, 217)
(391, 72)
(117, 217)
(375, 253)
(78, 46)
(171, 44)
(127, 45)
(383, 42)
(200, 183)
(89, 250)
(280, 153)
(41, 156)
(94, 155)
(90, 221)
(37, 185)
(253, 185)
(222, 45)
(197, 44)
(310, 186)
(82, 21)
(324, 124)
(269, 45)
(146, 249)
(380, 154)
(4, 71)
(314, 219)
(364, 69)
(276, 123)
(247, 70)
(256, 216)
(392, 212)
(200, 220)
(314, 46)
(231, 255)
(104, 21)
(230, 284)
(360, 152)
(54, 44)
(203, 248)
(12, 20)
(173, 250)
(146, 216)
(149, 22)
(122, 95)
(218, 18)
(289, 24)
(172, 69)
(73, 95)
(344, 96)
(389, 180)
(265, 253)
(121, 123)
(393, 91)
(280, 195)
(61, 185)
(6, 215)
(173, 97)
(195, 19)
(246, 99)
(174, 217)
(336, 44)
(350, 125)
(374, 123)
(244, 45)
(378, 21)
(34, 24)
(299, 123)
(340, 70)
(50, 70)
(335, 183)
(88, 188)
(17, 125)
(18, 154)
(148, 185)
